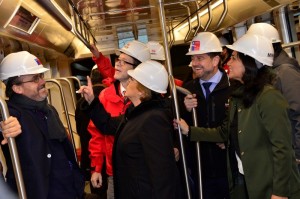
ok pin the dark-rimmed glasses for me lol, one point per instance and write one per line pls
(35, 79)
(123, 62)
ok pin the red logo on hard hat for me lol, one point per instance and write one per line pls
(38, 61)
(195, 45)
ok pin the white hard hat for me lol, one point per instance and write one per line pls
(204, 42)
(152, 75)
(137, 50)
(265, 30)
(95, 67)
(20, 63)
(223, 41)
(157, 51)
(255, 46)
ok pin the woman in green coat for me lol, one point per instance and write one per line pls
(261, 161)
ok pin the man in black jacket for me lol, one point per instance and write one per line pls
(210, 92)
(46, 155)
(82, 118)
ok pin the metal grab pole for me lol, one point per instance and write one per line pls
(162, 17)
(14, 155)
(195, 123)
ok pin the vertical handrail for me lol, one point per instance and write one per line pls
(189, 22)
(71, 89)
(76, 79)
(67, 114)
(78, 82)
(209, 16)
(195, 123)
(198, 20)
(172, 36)
(162, 18)
(14, 155)
(222, 17)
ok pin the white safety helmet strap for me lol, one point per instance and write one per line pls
(152, 75)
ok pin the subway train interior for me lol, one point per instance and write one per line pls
(60, 32)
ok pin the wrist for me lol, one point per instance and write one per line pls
(188, 131)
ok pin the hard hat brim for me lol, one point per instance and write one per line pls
(200, 52)
(127, 53)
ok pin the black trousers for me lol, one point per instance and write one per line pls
(239, 189)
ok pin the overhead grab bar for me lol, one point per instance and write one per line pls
(172, 36)
(196, 11)
(198, 20)
(224, 13)
(14, 155)
(189, 22)
(291, 44)
(82, 32)
(209, 16)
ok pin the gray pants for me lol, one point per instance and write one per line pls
(110, 188)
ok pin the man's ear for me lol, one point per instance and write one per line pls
(216, 60)
(17, 89)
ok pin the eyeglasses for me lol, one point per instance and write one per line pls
(123, 62)
(35, 79)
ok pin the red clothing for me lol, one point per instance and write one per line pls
(226, 68)
(96, 153)
(178, 82)
(105, 68)
(101, 145)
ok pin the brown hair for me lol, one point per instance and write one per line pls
(147, 94)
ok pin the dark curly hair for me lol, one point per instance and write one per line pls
(9, 84)
(254, 79)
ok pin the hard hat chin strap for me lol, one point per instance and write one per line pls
(258, 64)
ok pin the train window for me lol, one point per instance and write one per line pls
(24, 20)
(143, 37)
(127, 35)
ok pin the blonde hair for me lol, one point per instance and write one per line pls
(146, 92)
